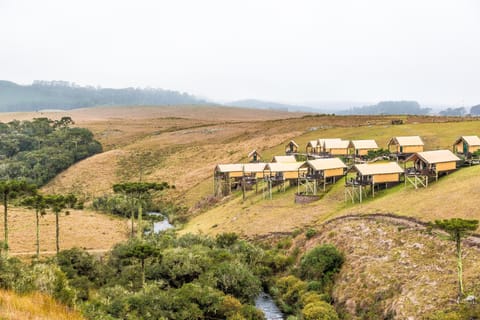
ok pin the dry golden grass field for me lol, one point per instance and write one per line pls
(35, 306)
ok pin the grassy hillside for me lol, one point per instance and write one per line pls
(396, 270)
(34, 306)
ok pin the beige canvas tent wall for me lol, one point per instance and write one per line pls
(254, 156)
(374, 173)
(285, 170)
(228, 176)
(312, 147)
(321, 143)
(361, 147)
(433, 162)
(291, 147)
(407, 144)
(336, 147)
(324, 168)
(466, 144)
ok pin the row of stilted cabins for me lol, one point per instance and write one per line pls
(418, 167)
(338, 147)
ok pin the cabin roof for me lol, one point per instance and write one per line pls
(293, 142)
(322, 141)
(312, 143)
(283, 167)
(436, 156)
(253, 152)
(336, 144)
(325, 164)
(363, 144)
(367, 169)
(232, 167)
(284, 159)
(470, 140)
(254, 167)
(241, 167)
(407, 141)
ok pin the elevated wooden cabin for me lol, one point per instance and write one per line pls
(226, 177)
(466, 145)
(371, 176)
(375, 173)
(432, 163)
(405, 145)
(284, 159)
(230, 176)
(321, 143)
(336, 147)
(254, 156)
(321, 171)
(361, 147)
(284, 171)
(313, 147)
(291, 147)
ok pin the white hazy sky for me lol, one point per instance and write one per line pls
(288, 51)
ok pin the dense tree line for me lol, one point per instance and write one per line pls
(65, 95)
(390, 107)
(38, 150)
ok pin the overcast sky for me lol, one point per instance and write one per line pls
(288, 51)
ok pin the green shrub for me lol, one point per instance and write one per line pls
(310, 233)
(321, 263)
(237, 280)
(291, 288)
(225, 240)
(319, 310)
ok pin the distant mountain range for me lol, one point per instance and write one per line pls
(64, 95)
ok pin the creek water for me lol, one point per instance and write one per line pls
(265, 303)
(159, 226)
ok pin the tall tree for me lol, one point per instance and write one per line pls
(9, 189)
(38, 203)
(57, 203)
(458, 229)
(138, 192)
(141, 250)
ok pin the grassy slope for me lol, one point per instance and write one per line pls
(397, 269)
(451, 196)
(33, 306)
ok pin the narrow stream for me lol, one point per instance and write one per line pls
(159, 226)
(265, 303)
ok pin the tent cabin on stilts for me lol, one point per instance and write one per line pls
(291, 147)
(429, 164)
(228, 177)
(360, 148)
(254, 156)
(370, 176)
(278, 173)
(403, 147)
(467, 147)
(466, 144)
(336, 147)
(312, 147)
(320, 172)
